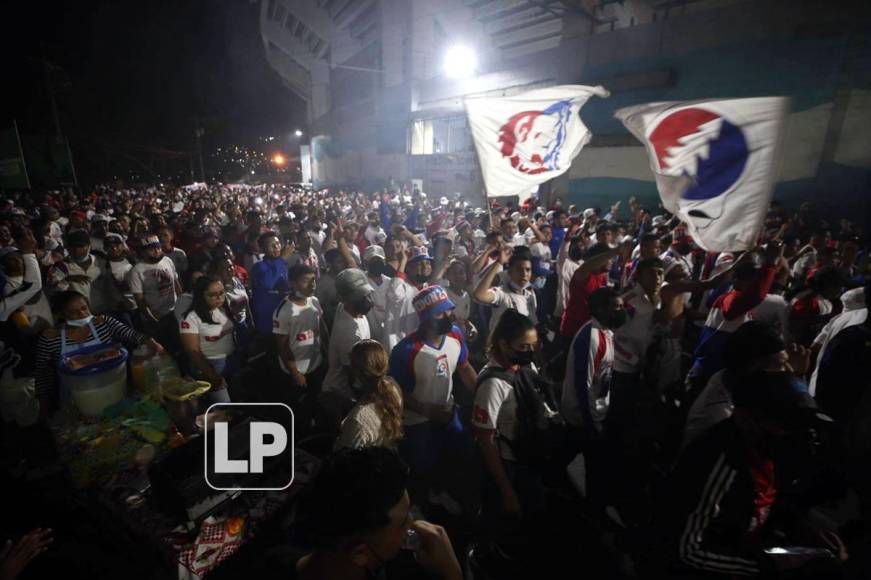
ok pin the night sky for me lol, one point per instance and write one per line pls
(131, 78)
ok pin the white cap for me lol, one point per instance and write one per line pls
(373, 252)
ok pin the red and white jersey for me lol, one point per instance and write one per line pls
(424, 370)
(586, 388)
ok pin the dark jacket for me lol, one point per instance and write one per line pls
(710, 506)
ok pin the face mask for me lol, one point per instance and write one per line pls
(376, 268)
(521, 357)
(81, 321)
(441, 325)
(615, 319)
(518, 287)
(420, 278)
(83, 259)
(302, 294)
(363, 305)
(152, 260)
(539, 283)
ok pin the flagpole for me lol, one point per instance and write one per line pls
(21, 152)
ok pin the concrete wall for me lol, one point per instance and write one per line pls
(799, 49)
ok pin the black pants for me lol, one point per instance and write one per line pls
(634, 431)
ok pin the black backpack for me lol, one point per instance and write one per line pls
(542, 427)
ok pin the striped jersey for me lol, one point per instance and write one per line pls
(586, 391)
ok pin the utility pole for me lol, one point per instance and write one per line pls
(198, 131)
(48, 86)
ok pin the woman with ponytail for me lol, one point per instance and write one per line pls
(376, 419)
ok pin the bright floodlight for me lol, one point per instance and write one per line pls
(460, 62)
(298, 133)
(279, 159)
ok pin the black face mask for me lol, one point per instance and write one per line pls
(441, 325)
(520, 357)
(363, 306)
(615, 319)
(376, 268)
(153, 260)
(420, 278)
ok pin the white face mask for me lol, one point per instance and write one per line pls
(81, 321)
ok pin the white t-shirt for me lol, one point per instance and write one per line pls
(379, 299)
(402, 318)
(424, 371)
(496, 408)
(302, 326)
(843, 320)
(157, 283)
(565, 279)
(347, 331)
(522, 301)
(216, 340)
(462, 301)
(119, 284)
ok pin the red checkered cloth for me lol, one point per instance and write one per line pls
(212, 546)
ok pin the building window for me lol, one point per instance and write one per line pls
(421, 138)
(440, 136)
(460, 139)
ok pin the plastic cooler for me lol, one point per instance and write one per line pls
(95, 377)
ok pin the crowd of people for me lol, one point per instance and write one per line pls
(498, 362)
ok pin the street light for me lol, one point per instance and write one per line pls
(298, 133)
(460, 62)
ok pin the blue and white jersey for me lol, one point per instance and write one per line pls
(586, 388)
(424, 370)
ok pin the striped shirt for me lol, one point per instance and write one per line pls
(586, 393)
(48, 349)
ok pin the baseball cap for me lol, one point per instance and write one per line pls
(589, 212)
(778, 397)
(430, 301)
(78, 238)
(113, 238)
(373, 252)
(149, 241)
(419, 253)
(539, 268)
(353, 284)
(98, 217)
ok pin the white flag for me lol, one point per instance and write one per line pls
(714, 163)
(526, 139)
